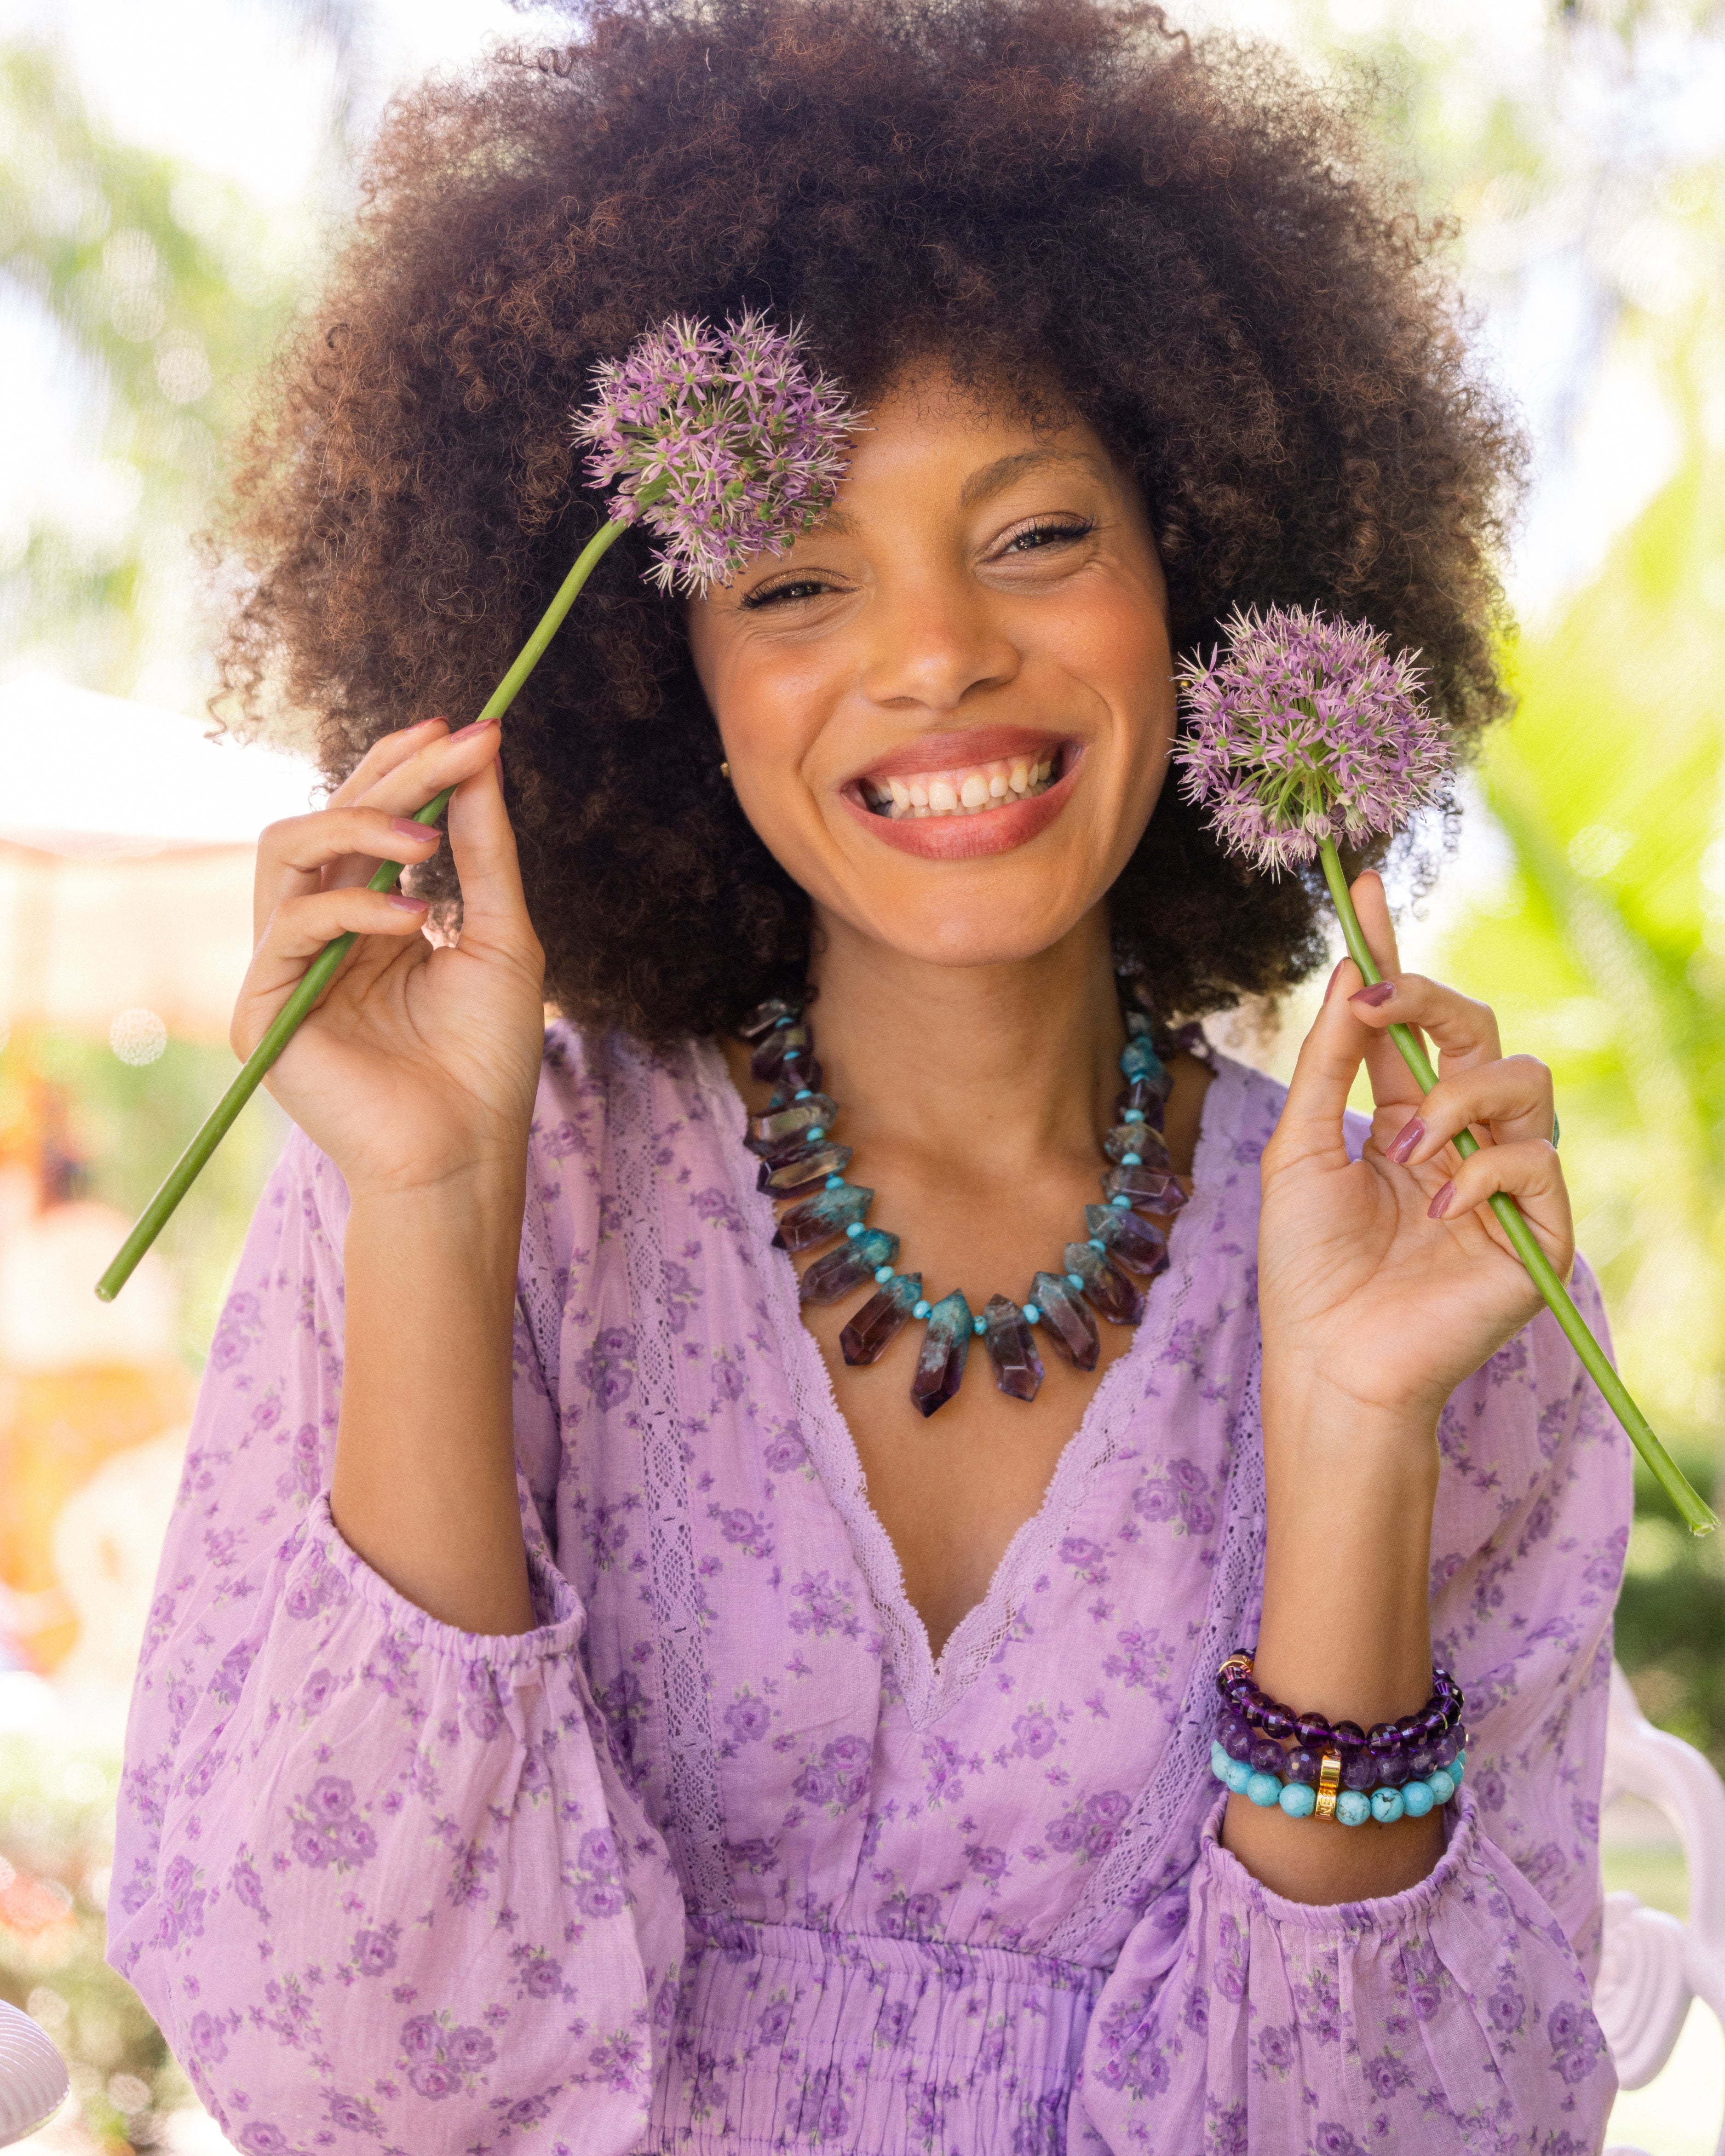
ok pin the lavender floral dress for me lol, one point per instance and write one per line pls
(719, 1858)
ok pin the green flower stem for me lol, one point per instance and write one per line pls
(1698, 1515)
(322, 969)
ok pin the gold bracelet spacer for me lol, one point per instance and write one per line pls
(1329, 1782)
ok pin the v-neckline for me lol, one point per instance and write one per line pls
(932, 1685)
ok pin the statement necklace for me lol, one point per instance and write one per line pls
(803, 1168)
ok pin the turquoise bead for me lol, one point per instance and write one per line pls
(1097, 1244)
(1455, 1767)
(979, 1325)
(1139, 1060)
(1417, 1799)
(922, 1309)
(814, 1134)
(1219, 1760)
(1354, 1807)
(1133, 1115)
(855, 1229)
(1076, 1281)
(835, 1182)
(1239, 1774)
(884, 1273)
(803, 1093)
(1031, 1313)
(1386, 1805)
(1298, 1800)
(1121, 1200)
(1263, 1790)
(1442, 1784)
(1126, 1159)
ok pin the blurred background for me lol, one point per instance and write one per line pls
(168, 177)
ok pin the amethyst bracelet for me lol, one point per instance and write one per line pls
(1311, 1767)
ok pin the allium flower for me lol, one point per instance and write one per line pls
(748, 441)
(1303, 730)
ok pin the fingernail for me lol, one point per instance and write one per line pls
(407, 829)
(1329, 985)
(1439, 1206)
(407, 904)
(1380, 991)
(479, 725)
(1405, 1142)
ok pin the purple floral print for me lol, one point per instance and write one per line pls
(719, 1858)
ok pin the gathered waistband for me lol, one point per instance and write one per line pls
(789, 2038)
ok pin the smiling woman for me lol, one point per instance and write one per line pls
(585, 1696)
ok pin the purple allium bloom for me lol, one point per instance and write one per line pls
(1304, 729)
(751, 439)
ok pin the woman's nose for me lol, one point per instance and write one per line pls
(933, 647)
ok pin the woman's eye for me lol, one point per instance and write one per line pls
(1038, 536)
(799, 587)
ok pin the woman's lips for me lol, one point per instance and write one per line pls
(963, 838)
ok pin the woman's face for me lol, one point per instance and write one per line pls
(948, 711)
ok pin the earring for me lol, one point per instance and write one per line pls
(724, 770)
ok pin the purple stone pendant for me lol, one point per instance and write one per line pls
(1012, 1348)
(1138, 1245)
(768, 1058)
(1106, 1291)
(857, 1258)
(1140, 1139)
(1148, 1188)
(774, 1134)
(1069, 1325)
(818, 1219)
(940, 1366)
(880, 1320)
(762, 1019)
(805, 1169)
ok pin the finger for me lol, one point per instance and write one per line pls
(494, 907)
(1466, 1031)
(444, 761)
(386, 754)
(302, 854)
(1328, 1062)
(1509, 1101)
(1529, 1172)
(1390, 1076)
(300, 928)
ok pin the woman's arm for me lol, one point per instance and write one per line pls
(1374, 1312)
(416, 1077)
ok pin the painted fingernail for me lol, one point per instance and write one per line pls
(407, 829)
(465, 733)
(1405, 1142)
(1330, 984)
(407, 904)
(1440, 1205)
(1380, 991)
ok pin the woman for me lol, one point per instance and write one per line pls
(586, 1708)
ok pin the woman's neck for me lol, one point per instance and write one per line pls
(1020, 1058)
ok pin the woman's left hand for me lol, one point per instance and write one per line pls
(1366, 1297)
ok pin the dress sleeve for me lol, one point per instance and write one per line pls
(1455, 2015)
(374, 1877)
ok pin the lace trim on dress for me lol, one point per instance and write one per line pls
(693, 1823)
(930, 1687)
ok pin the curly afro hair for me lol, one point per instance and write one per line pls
(1200, 252)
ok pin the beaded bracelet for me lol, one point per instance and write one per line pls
(1395, 1770)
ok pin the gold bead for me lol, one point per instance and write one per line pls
(1235, 1666)
(1329, 1781)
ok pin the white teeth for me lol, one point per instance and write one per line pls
(963, 792)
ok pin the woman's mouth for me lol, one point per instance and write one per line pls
(946, 807)
(969, 789)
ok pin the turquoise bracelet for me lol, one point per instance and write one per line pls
(1354, 1807)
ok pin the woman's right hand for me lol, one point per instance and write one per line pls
(419, 1064)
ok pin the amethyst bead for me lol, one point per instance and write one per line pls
(1267, 1758)
(798, 1073)
(1422, 1760)
(763, 1018)
(1434, 1722)
(1234, 1733)
(1445, 1749)
(1389, 1763)
(1012, 1348)
(857, 1258)
(1314, 1731)
(1302, 1765)
(768, 1058)
(1349, 1737)
(880, 1320)
(1137, 1244)
(1148, 1190)
(1066, 1321)
(1108, 1292)
(1275, 1719)
(940, 1366)
(818, 1219)
(1140, 1139)
(1410, 1729)
(768, 1134)
(1358, 1771)
(1146, 1096)
(804, 1170)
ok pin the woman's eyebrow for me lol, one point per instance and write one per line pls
(992, 478)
